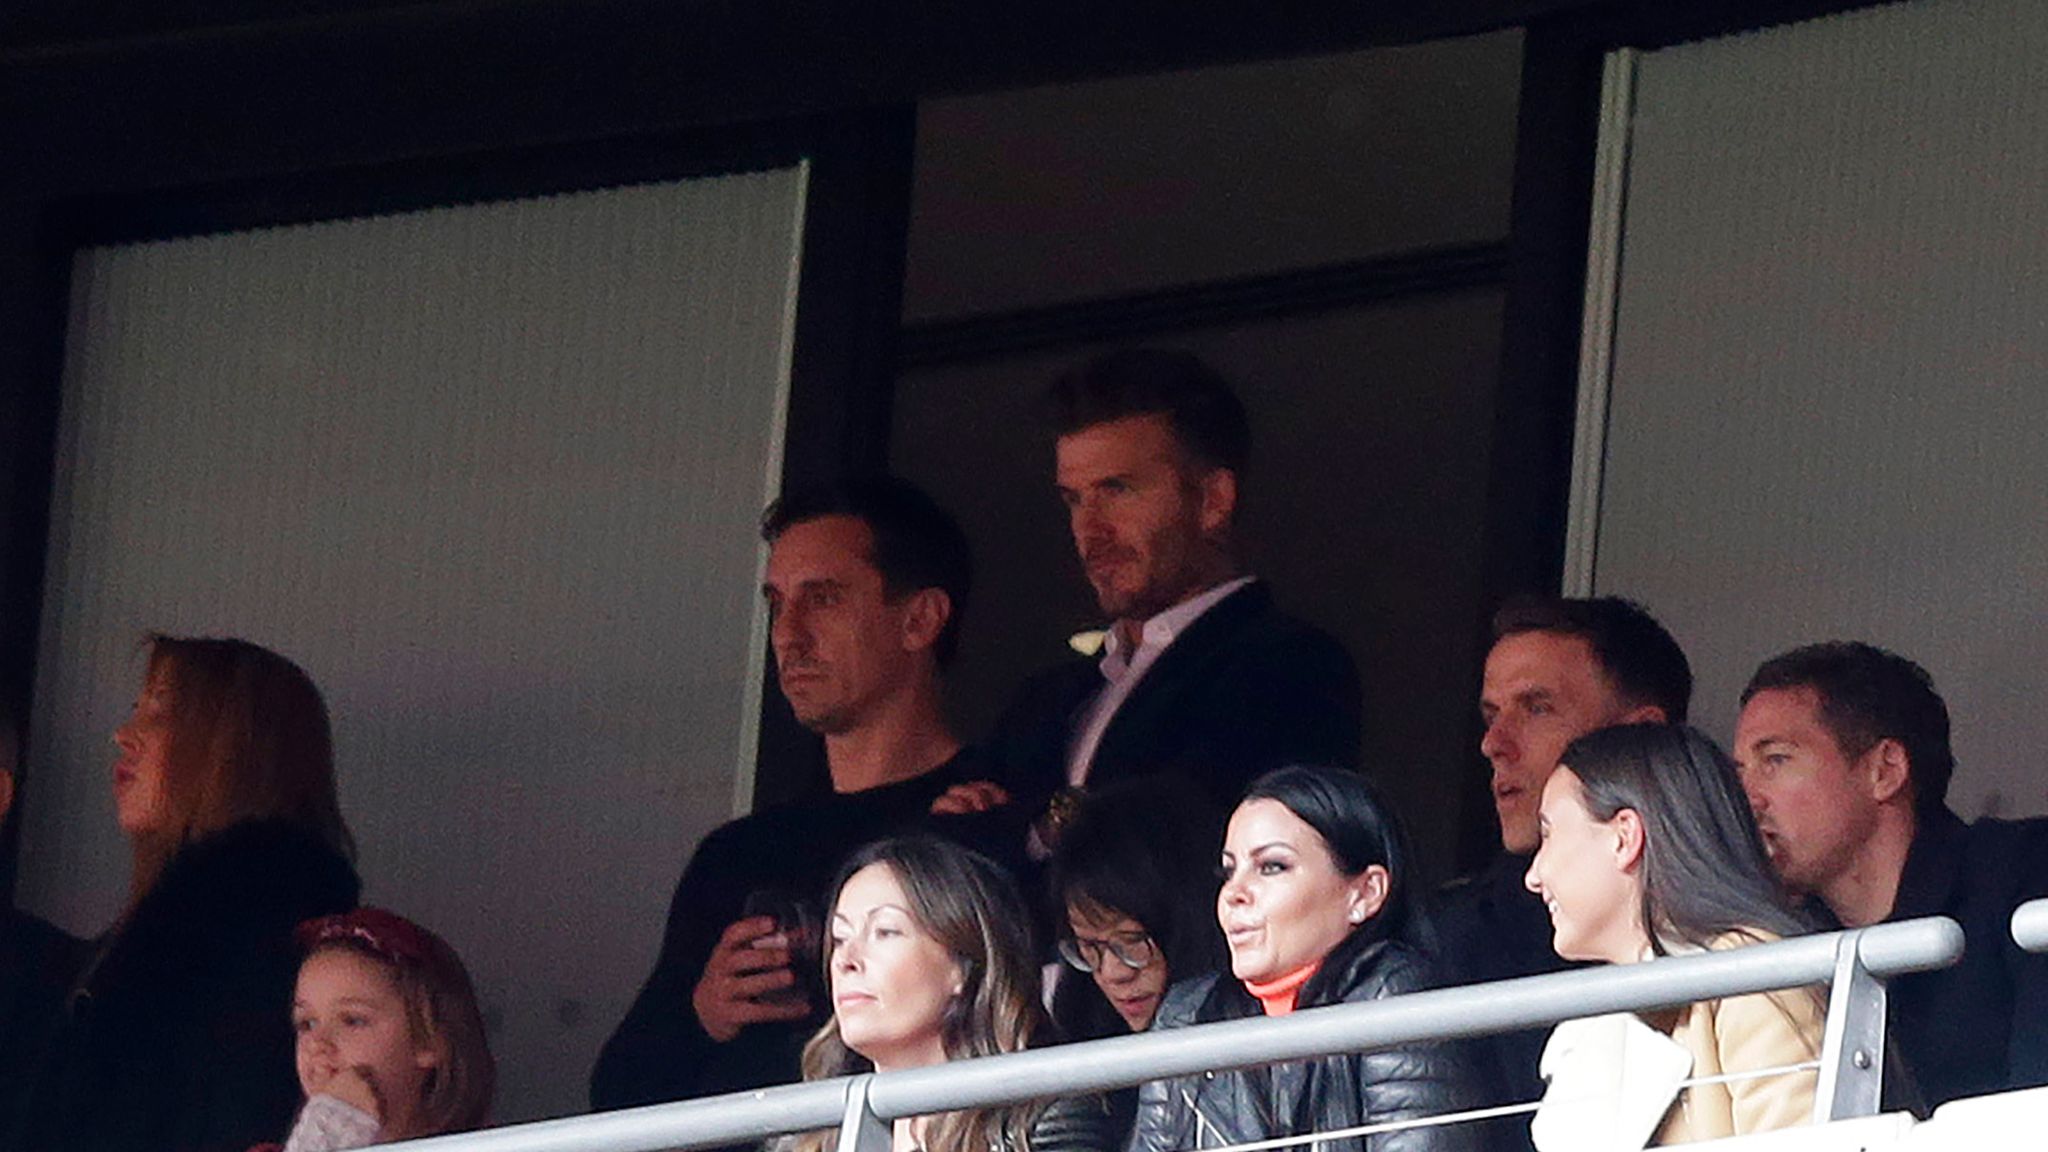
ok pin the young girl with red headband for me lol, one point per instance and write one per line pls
(390, 1042)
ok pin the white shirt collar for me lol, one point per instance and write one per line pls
(1162, 629)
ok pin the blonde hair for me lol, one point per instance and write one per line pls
(248, 740)
(970, 907)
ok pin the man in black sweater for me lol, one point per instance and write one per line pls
(1558, 670)
(1844, 750)
(866, 582)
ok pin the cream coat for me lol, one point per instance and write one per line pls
(1740, 1034)
(1735, 1034)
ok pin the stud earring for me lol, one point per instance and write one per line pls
(1358, 915)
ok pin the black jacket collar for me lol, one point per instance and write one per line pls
(1934, 867)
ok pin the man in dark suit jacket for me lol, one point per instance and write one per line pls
(1200, 676)
(1844, 750)
(1558, 670)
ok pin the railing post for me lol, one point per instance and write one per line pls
(861, 1130)
(1852, 1052)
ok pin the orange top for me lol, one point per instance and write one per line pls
(1277, 996)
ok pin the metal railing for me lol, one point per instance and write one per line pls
(2030, 925)
(863, 1107)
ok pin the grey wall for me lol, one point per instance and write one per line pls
(1828, 416)
(490, 474)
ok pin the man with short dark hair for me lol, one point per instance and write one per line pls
(1844, 750)
(1200, 676)
(1558, 669)
(866, 582)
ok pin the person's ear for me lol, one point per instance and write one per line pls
(6, 792)
(1369, 890)
(1627, 827)
(925, 613)
(1890, 770)
(428, 1056)
(1219, 500)
(1644, 714)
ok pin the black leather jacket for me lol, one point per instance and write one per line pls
(1075, 1124)
(1295, 1098)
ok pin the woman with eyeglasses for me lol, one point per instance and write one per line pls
(1315, 911)
(1133, 895)
(1134, 892)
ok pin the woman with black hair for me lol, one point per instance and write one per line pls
(1134, 894)
(1133, 888)
(1315, 910)
(1649, 849)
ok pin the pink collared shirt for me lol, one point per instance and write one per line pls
(1124, 671)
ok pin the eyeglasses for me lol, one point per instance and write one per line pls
(1132, 951)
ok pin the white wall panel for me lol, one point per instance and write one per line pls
(1828, 416)
(492, 475)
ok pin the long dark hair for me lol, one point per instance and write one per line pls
(1704, 870)
(1144, 850)
(1360, 831)
(971, 907)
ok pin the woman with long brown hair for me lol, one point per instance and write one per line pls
(929, 959)
(224, 785)
(1649, 849)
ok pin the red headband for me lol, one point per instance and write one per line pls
(386, 935)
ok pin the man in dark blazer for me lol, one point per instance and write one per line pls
(1558, 669)
(1199, 677)
(1844, 750)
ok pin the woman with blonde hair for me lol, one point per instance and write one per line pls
(224, 785)
(929, 959)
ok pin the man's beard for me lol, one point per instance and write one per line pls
(828, 721)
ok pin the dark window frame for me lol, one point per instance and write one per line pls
(849, 297)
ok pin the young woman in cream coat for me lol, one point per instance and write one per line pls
(1649, 849)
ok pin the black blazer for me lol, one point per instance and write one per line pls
(1491, 927)
(1975, 1028)
(1245, 689)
